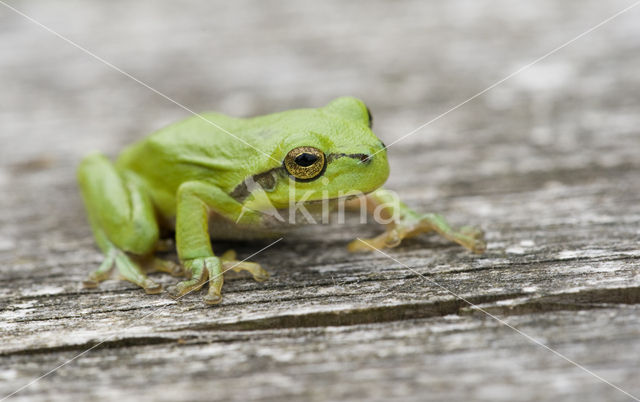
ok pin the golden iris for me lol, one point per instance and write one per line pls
(305, 163)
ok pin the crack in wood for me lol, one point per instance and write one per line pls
(106, 344)
(589, 299)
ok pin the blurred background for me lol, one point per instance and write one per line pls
(545, 162)
(409, 61)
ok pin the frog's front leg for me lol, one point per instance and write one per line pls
(195, 201)
(406, 223)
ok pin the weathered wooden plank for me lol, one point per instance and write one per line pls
(448, 357)
(547, 163)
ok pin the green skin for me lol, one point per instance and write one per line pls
(183, 175)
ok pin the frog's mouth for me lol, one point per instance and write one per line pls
(336, 199)
(313, 211)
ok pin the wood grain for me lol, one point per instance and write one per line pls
(547, 163)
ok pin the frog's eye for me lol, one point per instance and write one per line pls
(305, 163)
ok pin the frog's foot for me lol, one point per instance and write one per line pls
(468, 237)
(229, 262)
(388, 239)
(102, 273)
(128, 270)
(131, 271)
(166, 266)
(201, 270)
(475, 238)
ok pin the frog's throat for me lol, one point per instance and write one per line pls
(268, 180)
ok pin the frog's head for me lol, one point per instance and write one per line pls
(326, 153)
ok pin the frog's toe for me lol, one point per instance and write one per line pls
(473, 232)
(212, 298)
(202, 271)
(389, 239)
(100, 274)
(258, 273)
(357, 245)
(91, 283)
(229, 262)
(479, 247)
(475, 242)
(229, 255)
(167, 266)
(94, 278)
(151, 288)
(182, 288)
(130, 270)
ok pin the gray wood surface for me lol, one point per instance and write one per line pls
(547, 163)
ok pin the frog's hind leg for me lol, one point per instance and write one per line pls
(128, 269)
(122, 218)
(406, 223)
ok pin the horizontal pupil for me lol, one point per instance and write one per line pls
(305, 159)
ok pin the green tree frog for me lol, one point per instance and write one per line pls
(215, 176)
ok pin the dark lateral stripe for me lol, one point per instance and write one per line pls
(361, 157)
(266, 180)
(269, 179)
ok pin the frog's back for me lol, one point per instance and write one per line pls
(198, 148)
